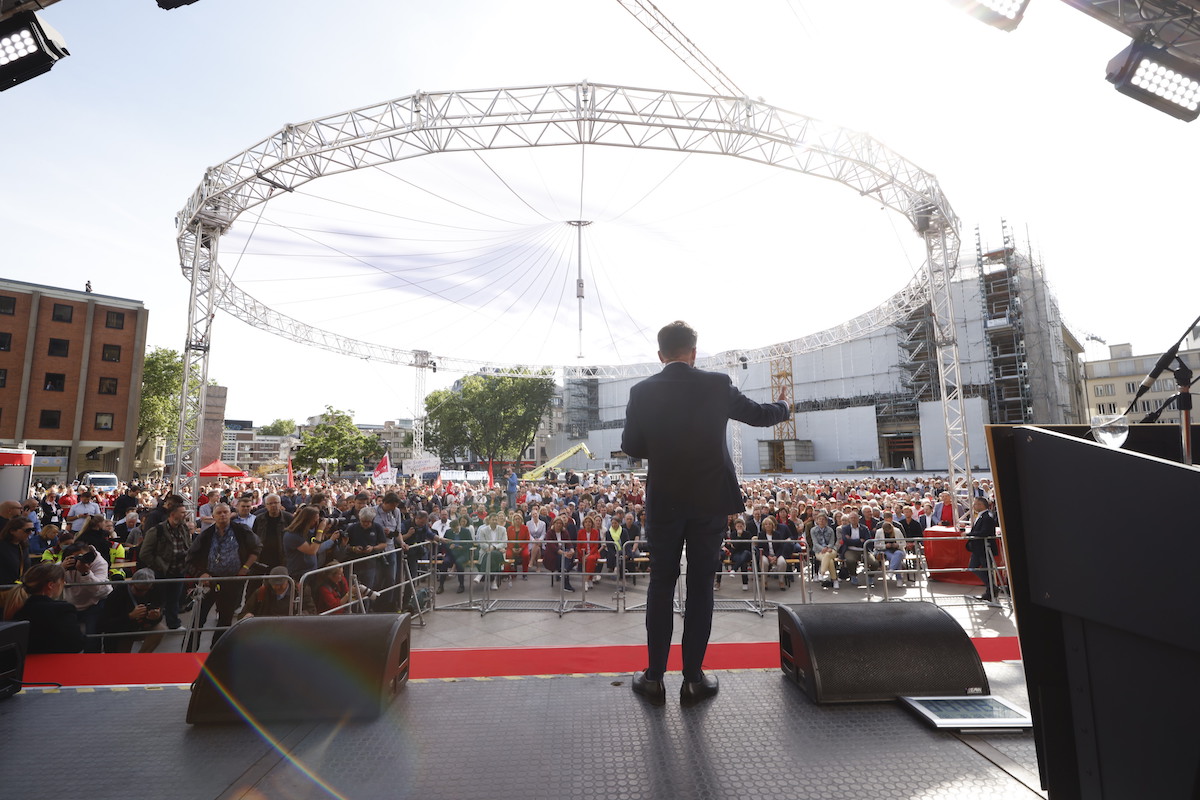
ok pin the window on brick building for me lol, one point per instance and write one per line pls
(108, 386)
(115, 319)
(111, 352)
(62, 313)
(104, 422)
(59, 347)
(49, 419)
(56, 382)
(8, 305)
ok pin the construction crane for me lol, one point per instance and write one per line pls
(537, 472)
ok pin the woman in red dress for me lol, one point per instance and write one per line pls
(517, 550)
(590, 550)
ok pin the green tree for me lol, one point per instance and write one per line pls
(280, 427)
(336, 437)
(162, 382)
(493, 416)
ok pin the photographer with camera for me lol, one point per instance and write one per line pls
(87, 567)
(309, 537)
(136, 605)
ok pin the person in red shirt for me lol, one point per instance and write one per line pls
(68, 499)
(517, 550)
(589, 541)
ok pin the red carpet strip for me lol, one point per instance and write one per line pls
(166, 668)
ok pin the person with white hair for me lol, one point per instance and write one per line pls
(129, 530)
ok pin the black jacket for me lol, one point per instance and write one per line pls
(197, 558)
(982, 533)
(269, 531)
(677, 419)
(53, 625)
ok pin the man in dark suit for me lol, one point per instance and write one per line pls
(678, 419)
(983, 539)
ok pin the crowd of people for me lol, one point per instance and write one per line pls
(78, 564)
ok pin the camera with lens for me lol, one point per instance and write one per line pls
(82, 553)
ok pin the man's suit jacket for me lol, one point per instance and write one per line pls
(677, 419)
(982, 533)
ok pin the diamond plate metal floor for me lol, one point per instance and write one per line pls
(529, 738)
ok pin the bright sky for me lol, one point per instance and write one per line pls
(438, 254)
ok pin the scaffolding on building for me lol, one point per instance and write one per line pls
(1027, 353)
(782, 385)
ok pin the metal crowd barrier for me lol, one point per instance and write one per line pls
(357, 603)
(488, 601)
(482, 597)
(997, 574)
(186, 631)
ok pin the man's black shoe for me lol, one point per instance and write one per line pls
(694, 692)
(653, 691)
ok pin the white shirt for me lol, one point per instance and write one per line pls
(84, 597)
(537, 529)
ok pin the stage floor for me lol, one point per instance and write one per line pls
(524, 738)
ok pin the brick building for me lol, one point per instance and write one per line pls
(70, 377)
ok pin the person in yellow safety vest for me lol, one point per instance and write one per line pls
(54, 553)
(116, 551)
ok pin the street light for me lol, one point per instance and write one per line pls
(325, 462)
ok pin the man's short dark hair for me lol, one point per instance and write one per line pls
(676, 339)
(392, 498)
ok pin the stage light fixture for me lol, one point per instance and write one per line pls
(1002, 14)
(1157, 78)
(169, 4)
(28, 47)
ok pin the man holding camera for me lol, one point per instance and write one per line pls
(135, 606)
(87, 568)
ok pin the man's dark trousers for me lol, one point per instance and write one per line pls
(667, 539)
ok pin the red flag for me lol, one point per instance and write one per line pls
(291, 477)
(438, 481)
(383, 467)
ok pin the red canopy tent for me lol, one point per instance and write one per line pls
(219, 469)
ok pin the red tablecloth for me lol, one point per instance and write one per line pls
(950, 555)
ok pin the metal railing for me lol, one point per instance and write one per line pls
(483, 594)
(488, 580)
(996, 573)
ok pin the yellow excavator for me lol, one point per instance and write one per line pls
(537, 472)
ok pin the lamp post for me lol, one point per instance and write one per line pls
(325, 462)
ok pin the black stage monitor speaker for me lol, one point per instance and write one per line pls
(854, 653)
(14, 643)
(303, 668)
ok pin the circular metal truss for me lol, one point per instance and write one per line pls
(583, 113)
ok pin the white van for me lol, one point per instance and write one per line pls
(104, 481)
